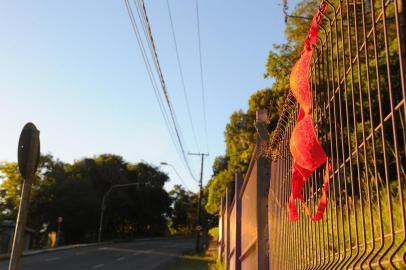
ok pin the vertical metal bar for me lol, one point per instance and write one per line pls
(335, 153)
(262, 200)
(227, 236)
(322, 103)
(358, 254)
(278, 218)
(350, 204)
(331, 195)
(238, 184)
(395, 139)
(221, 225)
(326, 86)
(364, 136)
(313, 179)
(382, 129)
(343, 199)
(400, 20)
(284, 258)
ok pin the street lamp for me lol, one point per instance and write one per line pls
(198, 226)
(173, 167)
(102, 208)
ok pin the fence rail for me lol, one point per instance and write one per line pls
(359, 110)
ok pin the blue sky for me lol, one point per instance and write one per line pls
(75, 70)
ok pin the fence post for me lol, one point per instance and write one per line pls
(221, 231)
(238, 184)
(263, 177)
(227, 236)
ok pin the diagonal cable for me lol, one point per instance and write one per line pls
(181, 76)
(201, 76)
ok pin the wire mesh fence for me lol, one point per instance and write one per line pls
(358, 90)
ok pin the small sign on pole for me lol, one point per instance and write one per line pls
(28, 158)
(58, 235)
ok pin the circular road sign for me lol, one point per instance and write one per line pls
(27, 162)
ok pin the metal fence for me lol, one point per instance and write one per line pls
(243, 222)
(358, 90)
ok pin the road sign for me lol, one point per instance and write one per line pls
(60, 219)
(28, 158)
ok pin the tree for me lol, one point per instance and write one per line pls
(240, 131)
(240, 143)
(74, 192)
(184, 210)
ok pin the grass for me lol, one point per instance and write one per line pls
(367, 219)
(191, 261)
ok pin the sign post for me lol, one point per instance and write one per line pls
(28, 158)
(58, 234)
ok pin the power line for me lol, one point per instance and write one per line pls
(150, 74)
(181, 75)
(171, 120)
(154, 53)
(201, 76)
(149, 71)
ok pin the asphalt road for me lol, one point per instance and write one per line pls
(148, 254)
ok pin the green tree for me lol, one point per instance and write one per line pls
(240, 143)
(240, 131)
(184, 210)
(74, 192)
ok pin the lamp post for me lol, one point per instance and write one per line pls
(173, 167)
(103, 205)
(198, 221)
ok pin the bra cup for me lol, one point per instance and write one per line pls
(300, 81)
(305, 147)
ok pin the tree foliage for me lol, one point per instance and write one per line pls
(74, 192)
(240, 143)
(240, 131)
(184, 210)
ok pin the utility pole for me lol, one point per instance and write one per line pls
(199, 205)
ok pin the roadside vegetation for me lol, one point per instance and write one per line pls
(74, 192)
(192, 261)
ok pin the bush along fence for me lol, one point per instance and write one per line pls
(351, 216)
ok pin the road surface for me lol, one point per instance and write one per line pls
(148, 254)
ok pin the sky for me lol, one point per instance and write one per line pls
(74, 69)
